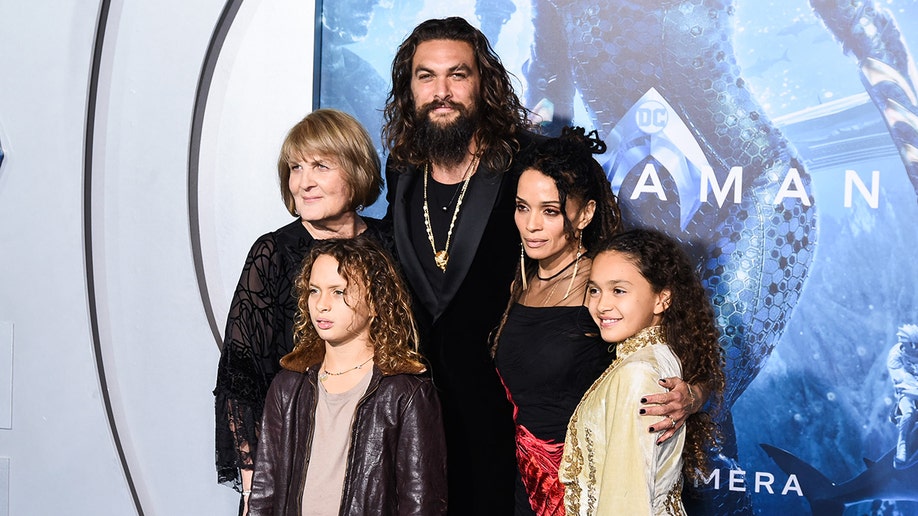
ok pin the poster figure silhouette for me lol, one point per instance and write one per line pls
(681, 118)
(903, 371)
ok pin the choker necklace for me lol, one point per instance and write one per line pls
(575, 263)
(555, 275)
(326, 373)
(442, 257)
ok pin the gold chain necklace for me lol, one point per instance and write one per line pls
(442, 257)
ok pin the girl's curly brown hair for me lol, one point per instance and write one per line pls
(393, 333)
(501, 113)
(689, 329)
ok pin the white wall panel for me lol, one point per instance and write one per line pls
(157, 349)
(261, 87)
(59, 430)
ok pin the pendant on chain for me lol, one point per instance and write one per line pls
(441, 258)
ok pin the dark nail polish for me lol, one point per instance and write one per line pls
(642, 411)
(643, 400)
(652, 430)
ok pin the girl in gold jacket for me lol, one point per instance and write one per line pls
(647, 301)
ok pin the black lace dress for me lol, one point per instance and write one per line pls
(547, 357)
(259, 331)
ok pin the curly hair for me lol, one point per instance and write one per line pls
(501, 114)
(369, 268)
(568, 161)
(688, 327)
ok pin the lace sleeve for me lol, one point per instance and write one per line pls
(253, 343)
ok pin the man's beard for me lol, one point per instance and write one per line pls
(446, 143)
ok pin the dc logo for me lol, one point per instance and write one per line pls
(651, 116)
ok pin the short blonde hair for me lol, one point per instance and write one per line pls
(338, 135)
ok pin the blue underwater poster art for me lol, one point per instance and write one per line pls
(778, 141)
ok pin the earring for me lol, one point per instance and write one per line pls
(523, 266)
(576, 264)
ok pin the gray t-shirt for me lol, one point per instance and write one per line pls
(330, 444)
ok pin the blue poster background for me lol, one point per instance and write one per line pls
(810, 289)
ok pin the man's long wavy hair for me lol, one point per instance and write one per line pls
(501, 115)
(370, 270)
(688, 327)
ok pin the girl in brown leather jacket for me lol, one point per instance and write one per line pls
(349, 426)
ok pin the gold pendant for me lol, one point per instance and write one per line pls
(441, 257)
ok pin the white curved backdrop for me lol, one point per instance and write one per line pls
(107, 346)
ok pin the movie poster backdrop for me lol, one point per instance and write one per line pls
(777, 141)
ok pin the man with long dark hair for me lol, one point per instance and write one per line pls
(453, 127)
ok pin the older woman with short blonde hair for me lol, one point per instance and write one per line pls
(328, 170)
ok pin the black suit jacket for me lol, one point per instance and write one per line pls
(483, 250)
(455, 327)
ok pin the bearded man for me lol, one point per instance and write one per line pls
(453, 127)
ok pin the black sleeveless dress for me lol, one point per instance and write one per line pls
(547, 358)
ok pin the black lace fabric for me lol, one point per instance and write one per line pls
(259, 331)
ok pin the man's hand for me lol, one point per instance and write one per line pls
(674, 406)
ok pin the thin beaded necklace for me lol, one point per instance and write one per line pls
(326, 373)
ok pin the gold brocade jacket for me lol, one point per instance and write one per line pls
(611, 463)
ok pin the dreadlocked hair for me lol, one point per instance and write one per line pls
(568, 161)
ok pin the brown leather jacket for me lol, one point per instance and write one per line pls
(397, 458)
